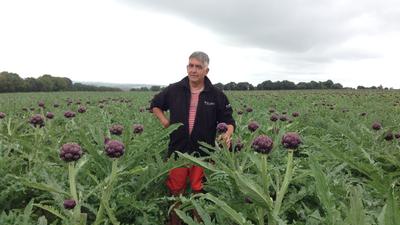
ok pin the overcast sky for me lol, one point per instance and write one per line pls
(148, 42)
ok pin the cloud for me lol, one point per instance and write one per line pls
(286, 26)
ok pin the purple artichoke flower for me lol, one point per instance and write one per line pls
(137, 128)
(82, 109)
(274, 117)
(69, 203)
(262, 144)
(291, 140)
(388, 136)
(249, 109)
(49, 115)
(295, 114)
(397, 135)
(69, 114)
(248, 200)
(70, 152)
(222, 128)
(240, 112)
(237, 146)
(116, 129)
(283, 118)
(114, 149)
(271, 110)
(37, 120)
(376, 126)
(253, 126)
(2, 115)
(41, 104)
(56, 105)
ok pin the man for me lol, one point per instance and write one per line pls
(199, 106)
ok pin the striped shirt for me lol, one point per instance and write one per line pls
(194, 100)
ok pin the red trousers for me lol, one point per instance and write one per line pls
(177, 178)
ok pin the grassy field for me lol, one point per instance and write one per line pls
(345, 171)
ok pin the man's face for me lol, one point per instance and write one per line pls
(196, 71)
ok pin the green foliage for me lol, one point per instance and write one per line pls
(343, 173)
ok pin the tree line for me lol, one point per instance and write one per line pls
(12, 82)
(266, 85)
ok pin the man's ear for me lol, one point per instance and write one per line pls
(208, 69)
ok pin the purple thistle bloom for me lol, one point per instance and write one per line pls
(262, 144)
(291, 140)
(283, 118)
(240, 112)
(49, 115)
(248, 200)
(295, 114)
(274, 117)
(388, 136)
(397, 135)
(82, 109)
(222, 128)
(37, 120)
(70, 152)
(2, 115)
(253, 126)
(69, 203)
(69, 114)
(114, 149)
(249, 109)
(41, 104)
(137, 128)
(237, 146)
(116, 129)
(376, 126)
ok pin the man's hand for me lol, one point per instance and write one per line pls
(160, 115)
(227, 136)
(165, 122)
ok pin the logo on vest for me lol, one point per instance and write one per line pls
(209, 103)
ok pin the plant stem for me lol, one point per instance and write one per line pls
(285, 184)
(106, 192)
(72, 187)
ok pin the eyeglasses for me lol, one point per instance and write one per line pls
(191, 66)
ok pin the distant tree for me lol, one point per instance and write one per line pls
(287, 85)
(337, 86)
(220, 86)
(11, 82)
(243, 86)
(144, 89)
(327, 84)
(155, 88)
(230, 86)
(265, 85)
